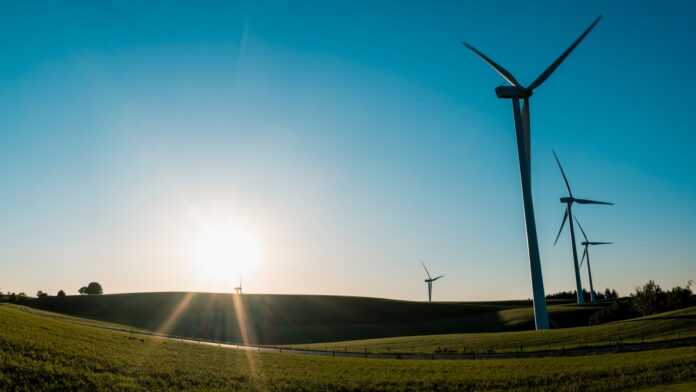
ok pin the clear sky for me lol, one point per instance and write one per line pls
(327, 147)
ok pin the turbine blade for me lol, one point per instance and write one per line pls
(565, 179)
(527, 132)
(580, 226)
(585, 201)
(434, 279)
(426, 270)
(584, 254)
(601, 243)
(565, 216)
(542, 78)
(501, 71)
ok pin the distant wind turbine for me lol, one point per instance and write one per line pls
(569, 200)
(430, 281)
(238, 289)
(586, 253)
(522, 129)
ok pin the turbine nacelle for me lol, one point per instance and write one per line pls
(567, 200)
(512, 92)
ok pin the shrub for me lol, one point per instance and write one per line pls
(619, 310)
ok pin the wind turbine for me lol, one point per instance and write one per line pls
(515, 92)
(586, 253)
(238, 289)
(430, 281)
(569, 200)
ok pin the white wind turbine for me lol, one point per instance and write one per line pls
(586, 254)
(430, 281)
(569, 201)
(238, 289)
(515, 92)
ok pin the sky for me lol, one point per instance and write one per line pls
(328, 147)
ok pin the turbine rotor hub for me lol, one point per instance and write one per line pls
(512, 92)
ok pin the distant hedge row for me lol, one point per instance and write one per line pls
(647, 300)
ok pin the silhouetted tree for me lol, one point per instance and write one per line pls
(82, 290)
(649, 299)
(41, 294)
(61, 293)
(679, 297)
(94, 288)
(610, 294)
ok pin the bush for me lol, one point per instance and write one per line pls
(619, 310)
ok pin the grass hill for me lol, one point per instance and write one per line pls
(42, 351)
(669, 325)
(287, 319)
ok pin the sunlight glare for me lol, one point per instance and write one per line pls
(222, 250)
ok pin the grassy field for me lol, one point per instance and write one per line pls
(670, 325)
(41, 351)
(286, 319)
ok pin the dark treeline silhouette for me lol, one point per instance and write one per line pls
(94, 288)
(13, 297)
(647, 300)
(607, 294)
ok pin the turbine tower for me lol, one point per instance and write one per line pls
(586, 253)
(430, 281)
(238, 289)
(515, 92)
(569, 200)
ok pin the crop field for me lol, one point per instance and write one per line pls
(665, 326)
(287, 319)
(50, 352)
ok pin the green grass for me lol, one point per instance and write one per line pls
(652, 328)
(40, 351)
(286, 319)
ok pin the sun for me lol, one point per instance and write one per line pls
(222, 250)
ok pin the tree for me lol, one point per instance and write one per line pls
(61, 293)
(649, 299)
(41, 294)
(82, 290)
(94, 288)
(679, 297)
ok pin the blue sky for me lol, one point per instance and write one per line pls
(327, 148)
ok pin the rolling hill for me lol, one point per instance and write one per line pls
(664, 326)
(43, 351)
(288, 319)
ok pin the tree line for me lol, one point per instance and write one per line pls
(645, 301)
(607, 294)
(94, 288)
